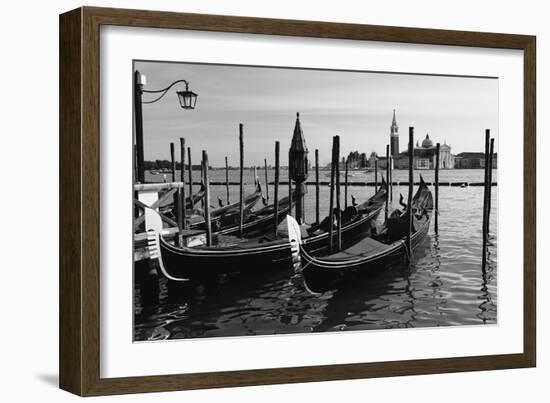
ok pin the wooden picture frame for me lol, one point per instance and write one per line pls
(80, 185)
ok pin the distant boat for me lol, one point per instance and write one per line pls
(343, 174)
(160, 171)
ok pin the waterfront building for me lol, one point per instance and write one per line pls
(424, 156)
(472, 160)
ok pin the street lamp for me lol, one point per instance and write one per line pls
(187, 100)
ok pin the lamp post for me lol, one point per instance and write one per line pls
(298, 166)
(187, 100)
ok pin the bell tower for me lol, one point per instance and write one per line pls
(394, 137)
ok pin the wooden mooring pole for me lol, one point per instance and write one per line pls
(190, 172)
(376, 175)
(206, 181)
(387, 209)
(182, 178)
(241, 178)
(173, 161)
(491, 154)
(289, 186)
(226, 180)
(410, 196)
(177, 197)
(266, 181)
(331, 200)
(276, 190)
(138, 115)
(203, 184)
(436, 212)
(317, 189)
(136, 170)
(346, 186)
(485, 201)
(390, 179)
(338, 205)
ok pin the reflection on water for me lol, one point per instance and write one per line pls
(443, 286)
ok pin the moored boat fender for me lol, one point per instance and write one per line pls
(295, 239)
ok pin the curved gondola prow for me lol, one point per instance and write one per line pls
(383, 184)
(259, 188)
(155, 254)
(423, 199)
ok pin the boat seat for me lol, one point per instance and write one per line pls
(364, 248)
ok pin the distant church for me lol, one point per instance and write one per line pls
(394, 137)
(424, 154)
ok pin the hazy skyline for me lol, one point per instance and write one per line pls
(358, 106)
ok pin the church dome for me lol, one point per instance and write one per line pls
(427, 143)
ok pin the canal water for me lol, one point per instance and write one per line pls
(444, 285)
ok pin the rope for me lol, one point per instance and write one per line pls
(407, 252)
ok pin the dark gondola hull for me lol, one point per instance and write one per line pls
(190, 202)
(320, 279)
(323, 274)
(229, 216)
(259, 222)
(196, 263)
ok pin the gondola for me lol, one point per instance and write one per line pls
(233, 254)
(190, 202)
(374, 252)
(227, 216)
(260, 221)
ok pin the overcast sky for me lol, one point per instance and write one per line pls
(355, 105)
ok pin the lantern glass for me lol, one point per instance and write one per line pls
(188, 99)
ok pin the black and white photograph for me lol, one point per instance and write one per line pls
(274, 200)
